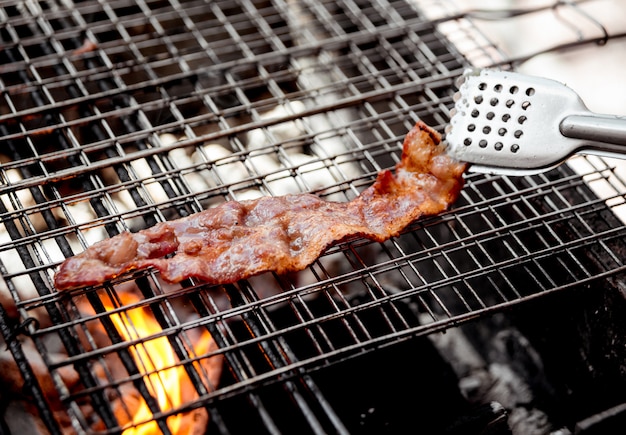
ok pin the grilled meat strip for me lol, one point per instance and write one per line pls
(236, 240)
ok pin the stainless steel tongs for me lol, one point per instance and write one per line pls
(514, 124)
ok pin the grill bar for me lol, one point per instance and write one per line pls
(30, 380)
(117, 116)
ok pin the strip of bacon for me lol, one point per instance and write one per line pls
(237, 240)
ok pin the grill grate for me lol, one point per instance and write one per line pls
(116, 116)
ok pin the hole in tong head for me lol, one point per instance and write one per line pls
(514, 90)
(498, 146)
(514, 148)
(530, 92)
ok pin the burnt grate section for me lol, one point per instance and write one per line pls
(116, 116)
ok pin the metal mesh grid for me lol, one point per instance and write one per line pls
(116, 116)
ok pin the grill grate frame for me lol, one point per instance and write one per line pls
(83, 129)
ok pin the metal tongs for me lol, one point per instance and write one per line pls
(514, 124)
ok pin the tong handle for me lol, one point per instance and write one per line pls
(603, 134)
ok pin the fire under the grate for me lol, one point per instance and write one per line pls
(139, 373)
(504, 315)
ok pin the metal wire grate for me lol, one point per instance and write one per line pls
(118, 115)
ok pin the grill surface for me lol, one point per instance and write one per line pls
(118, 115)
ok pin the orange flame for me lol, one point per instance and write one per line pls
(167, 381)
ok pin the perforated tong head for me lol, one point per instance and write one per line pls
(515, 124)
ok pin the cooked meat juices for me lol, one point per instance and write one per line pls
(237, 240)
